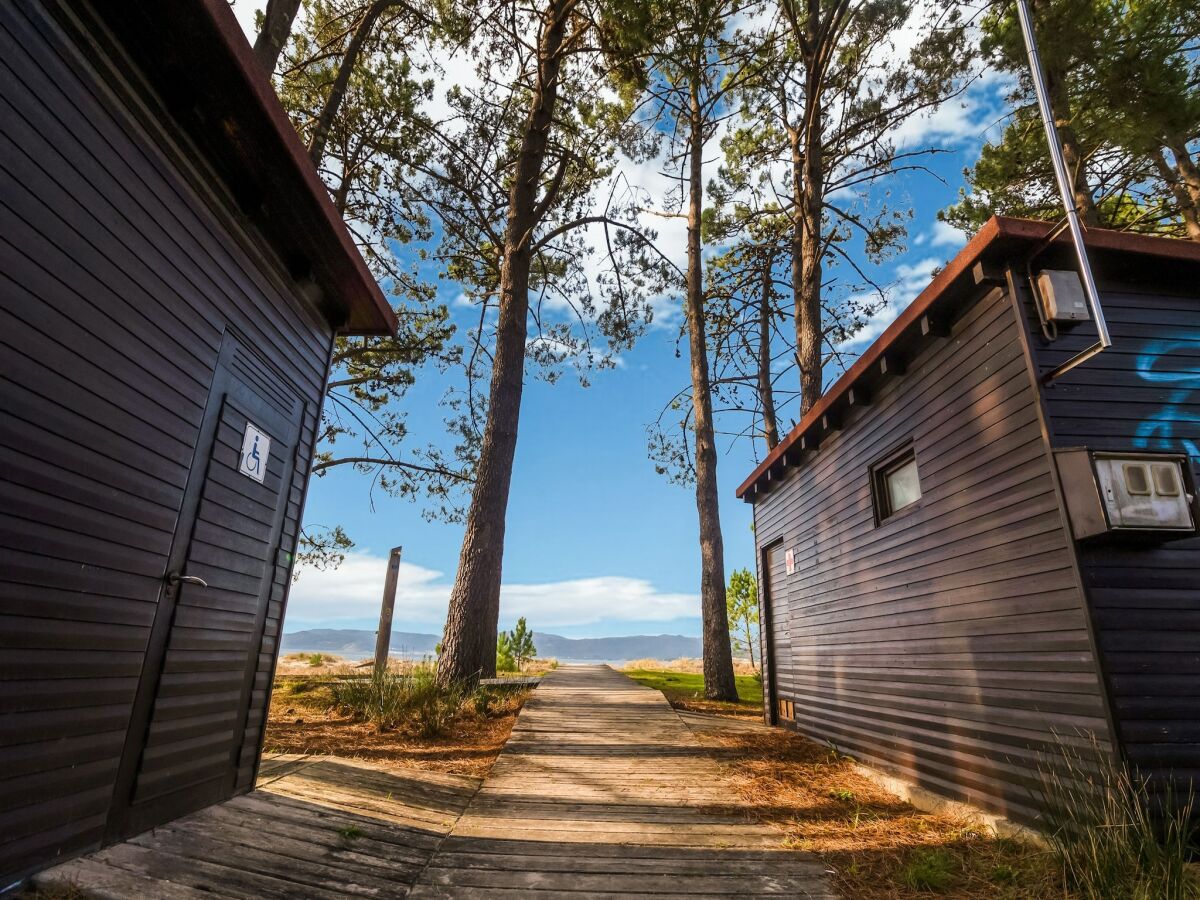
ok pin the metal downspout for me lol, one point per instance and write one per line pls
(1062, 176)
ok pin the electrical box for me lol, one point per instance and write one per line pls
(1108, 493)
(1062, 297)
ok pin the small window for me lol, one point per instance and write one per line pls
(896, 484)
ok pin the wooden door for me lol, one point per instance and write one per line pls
(774, 625)
(189, 717)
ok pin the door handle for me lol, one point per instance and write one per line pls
(175, 578)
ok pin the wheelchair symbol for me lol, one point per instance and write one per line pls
(256, 448)
(253, 461)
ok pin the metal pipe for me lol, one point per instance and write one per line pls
(1065, 189)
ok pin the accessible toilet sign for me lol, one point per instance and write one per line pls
(256, 448)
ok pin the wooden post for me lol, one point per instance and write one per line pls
(383, 637)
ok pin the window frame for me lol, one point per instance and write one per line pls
(893, 460)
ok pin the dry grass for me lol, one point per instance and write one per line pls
(66, 891)
(684, 664)
(538, 666)
(300, 721)
(876, 846)
(304, 665)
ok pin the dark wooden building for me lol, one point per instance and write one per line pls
(172, 276)
(964, 565)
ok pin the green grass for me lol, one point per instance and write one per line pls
(686, 686)
(929, 870)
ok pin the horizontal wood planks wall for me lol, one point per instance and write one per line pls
(120, 277)
(947, 644)
(1141, 394)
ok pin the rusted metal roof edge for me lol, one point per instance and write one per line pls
(258, 85)
(994, 231)
(194, 55)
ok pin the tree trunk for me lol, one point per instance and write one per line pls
(1183, 197)
(1060, 104)
(719, 683)
(808, 189)
(276, 29)
(766, 391)
(1187, 168)
(337, 93)
(750, 643)
(469, 640)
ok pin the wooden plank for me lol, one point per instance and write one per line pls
(604, 791)
(894, 640)
(98, 880)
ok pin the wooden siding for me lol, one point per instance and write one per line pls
(120, 273)
(1141, 394)
(948, 644)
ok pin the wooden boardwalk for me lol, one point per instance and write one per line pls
(316, 827)
(601, 792)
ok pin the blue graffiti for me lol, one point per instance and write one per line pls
(1163, 430)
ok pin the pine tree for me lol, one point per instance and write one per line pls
(1124, 83)
(514, 186)
(743, 611)
(521, 643)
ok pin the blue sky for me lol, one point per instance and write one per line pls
(597, 542)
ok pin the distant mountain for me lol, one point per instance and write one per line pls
(635, 646)
(353, 642)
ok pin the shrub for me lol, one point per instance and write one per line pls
(316, 659)
(506, 661)
(929, 870)
(1003, 874)
(484, 701)
(432, 706)
(1114, 837)
(392, 700)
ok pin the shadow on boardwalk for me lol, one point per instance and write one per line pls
(602, 791)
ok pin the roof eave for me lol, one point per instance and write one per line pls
(996, 237)
(196, 58)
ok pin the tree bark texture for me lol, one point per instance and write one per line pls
(719, 683)
(469, 640)
(276, 29)
(749, 633)
(1186, 166)
(766, 392)
(1060, 104)
(808, 188)
(1183, 197)
(341, 81)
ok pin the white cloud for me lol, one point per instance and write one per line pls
(352, 592)
(911, 279)
(943, 234)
